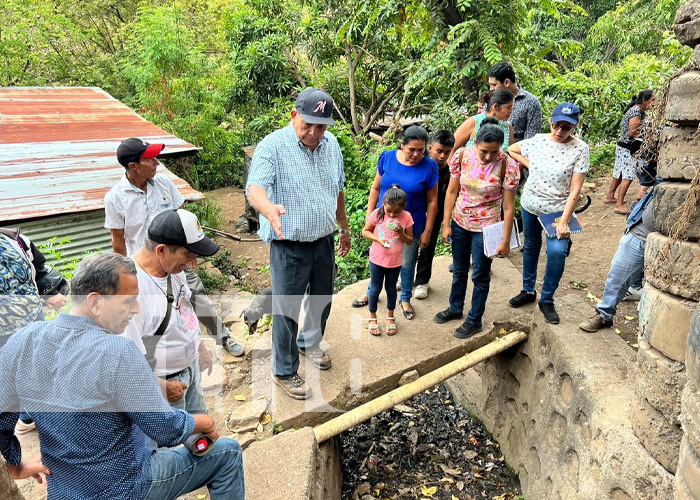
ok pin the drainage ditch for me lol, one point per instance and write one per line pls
(428, 447)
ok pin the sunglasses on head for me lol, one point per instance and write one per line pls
(563, 126)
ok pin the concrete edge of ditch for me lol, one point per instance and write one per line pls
(560, 406)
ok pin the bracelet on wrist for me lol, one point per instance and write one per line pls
(343, 231)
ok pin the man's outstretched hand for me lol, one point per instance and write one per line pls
(30, 468)
(273, 214)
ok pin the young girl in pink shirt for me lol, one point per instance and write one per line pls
(389, 227)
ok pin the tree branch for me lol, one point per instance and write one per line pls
(380, 109)
(351, 84)
(561, 61)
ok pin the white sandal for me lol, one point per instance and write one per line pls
(391, 328)
(373, 328)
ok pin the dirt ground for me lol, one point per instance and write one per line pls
(591, 254)
(586, 268)
(251, 257)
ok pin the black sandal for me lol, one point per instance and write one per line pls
(409, 315)
(360, 303)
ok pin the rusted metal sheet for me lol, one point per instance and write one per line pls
(72, 235)
(58, 149)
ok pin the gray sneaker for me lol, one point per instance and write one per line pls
(318, 357)
(294, 386)
(595, 323)
(233, 347)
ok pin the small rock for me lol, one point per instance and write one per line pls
(590, 186)
(409, 377)
(212, 269)
(246, 418)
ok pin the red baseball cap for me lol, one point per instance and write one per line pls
(134, 149)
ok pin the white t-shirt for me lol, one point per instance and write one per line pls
(552, 165)
(178, 346)
(130, 209)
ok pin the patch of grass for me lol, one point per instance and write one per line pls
(212, 282)
(223, 264)
(53, 251)
(208, 211)
(602, 160)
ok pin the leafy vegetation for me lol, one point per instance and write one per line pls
(208, 211)
(223, 73)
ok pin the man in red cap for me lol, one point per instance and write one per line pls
(133, 203)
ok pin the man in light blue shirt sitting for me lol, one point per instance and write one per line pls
(296, 183)
(94, 398)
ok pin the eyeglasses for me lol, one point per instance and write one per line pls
(564, 127)
(181, 296)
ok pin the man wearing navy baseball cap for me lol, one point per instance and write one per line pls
(133, 203)
(167, 328)
(296, 183)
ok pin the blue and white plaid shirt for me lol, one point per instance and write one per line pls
(305, 182)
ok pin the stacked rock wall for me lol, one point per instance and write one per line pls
(673, 267)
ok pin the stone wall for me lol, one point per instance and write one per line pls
(561, 406)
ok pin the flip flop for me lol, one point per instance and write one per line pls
(409, 315)
(390, 328)
(626, 211)
(609, 202)
(360, 303)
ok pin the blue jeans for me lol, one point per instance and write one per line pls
(175, 472)
(465, 244)
(382, 277)
(626, 268)
(408, 269)
(556, 258)
(193, 400)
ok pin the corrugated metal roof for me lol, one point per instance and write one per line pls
(82, 233)
(58, 149)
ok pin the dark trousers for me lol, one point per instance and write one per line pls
(383, 277)
(424, 268)
(295, 267)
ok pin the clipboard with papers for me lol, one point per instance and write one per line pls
(493, 235)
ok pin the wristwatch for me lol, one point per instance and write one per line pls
(343, 231)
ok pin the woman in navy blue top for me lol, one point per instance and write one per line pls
(418, 177)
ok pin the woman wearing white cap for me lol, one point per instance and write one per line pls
(558, 163)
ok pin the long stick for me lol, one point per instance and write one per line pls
(222, 233)
(368, 410)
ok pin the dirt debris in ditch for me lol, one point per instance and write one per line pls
(428, 448)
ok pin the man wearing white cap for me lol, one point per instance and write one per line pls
(296, 183)
(131, 205)
(167, 329)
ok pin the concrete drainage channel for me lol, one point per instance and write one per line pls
(559, 405)
(306, 462)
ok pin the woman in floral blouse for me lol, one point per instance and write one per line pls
(483, 179)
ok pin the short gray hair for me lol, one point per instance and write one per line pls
(151, 245)
(99, 273)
